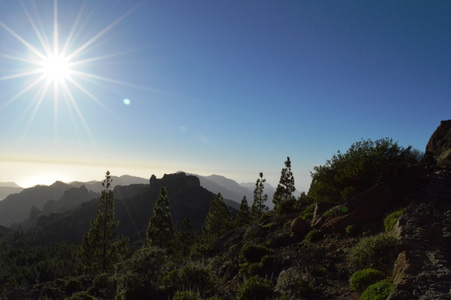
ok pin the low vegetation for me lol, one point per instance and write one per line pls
(362, 279)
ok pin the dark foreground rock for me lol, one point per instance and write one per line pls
(423, 268)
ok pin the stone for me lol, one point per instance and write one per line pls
(367, 206)
(299, 227)
(320, 209)
(439, 144)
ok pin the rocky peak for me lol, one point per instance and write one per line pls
(439, 145)
(176, 179)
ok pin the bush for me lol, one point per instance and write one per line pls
(197, 277)
(360, 280)
(103, 286)
(264, 267)
(294, 285)
(313, 236)
(352, 230)
(81, 296)
(307, 213)
(364, 164)
(186, 295)
(73, 285)
(142, 274)
(391, 219)
(255, 288)
(378, 291)
(254, 253)
(378, 252)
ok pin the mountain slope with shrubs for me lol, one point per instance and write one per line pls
(360, 232)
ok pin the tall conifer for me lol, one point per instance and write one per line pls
(218, 220)
(259, 207)
(243, 216)
(186, 237)
(102, 247)
(160, 231)
(285, 188)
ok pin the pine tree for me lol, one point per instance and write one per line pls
(186, 237)
(218, 220)
(285, 188)
(160, 231)
(244, 216)
(102, 247)
(259, 207)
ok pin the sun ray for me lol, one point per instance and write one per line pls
(44, 44)
(91, 96)
(71, 36)
(55, 28)
(37, 100)
(22, 40)
(99, 35)
(22, 92)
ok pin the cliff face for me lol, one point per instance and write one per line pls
(439, 145)
(423, 268)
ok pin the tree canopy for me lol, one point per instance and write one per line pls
(363, 165)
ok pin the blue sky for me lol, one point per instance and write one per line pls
(217, 87)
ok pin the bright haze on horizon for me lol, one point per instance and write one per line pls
(214, 87)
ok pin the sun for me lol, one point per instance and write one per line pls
(55, 65)
(56, 68)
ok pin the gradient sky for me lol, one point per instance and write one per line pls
(217, 87)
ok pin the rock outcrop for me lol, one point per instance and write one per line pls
(439, 145)
(423, 268)
(367, 206)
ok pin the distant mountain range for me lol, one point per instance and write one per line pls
(134, 206)
(8, 188)
(17, 201)
(43, 205)
(96, 186)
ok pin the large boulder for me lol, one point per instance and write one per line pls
(367, 206)
(299, 227)
(320, 209)
(439, 145)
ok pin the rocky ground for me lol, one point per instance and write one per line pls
(423, 268)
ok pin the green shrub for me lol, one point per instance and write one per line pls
(250, 269)
(73, 285)
(197, 277)
(378, 291)
(391, 219)
(294, 285)
(142, 274)
(255, 288)
(352, 230)
(279, 239)
(81, 296)
(262, 268)
(313, 236)
(334, 211)
(103, 286)
(362, 279)
(378, 252)
(307, 213)
(362, 166)
(270, 226)
(254, 253)
(187, 295)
